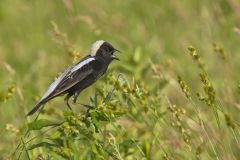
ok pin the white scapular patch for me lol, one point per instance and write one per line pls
(68, 71)
(95, 47)
(78, 66)
(55, 83)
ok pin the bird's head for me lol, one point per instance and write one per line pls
(104, 50)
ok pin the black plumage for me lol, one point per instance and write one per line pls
(81, 75)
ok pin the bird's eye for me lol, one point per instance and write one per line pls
(109, 49)
(106, 49)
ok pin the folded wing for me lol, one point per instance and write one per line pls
(69, 78)
(66, 80)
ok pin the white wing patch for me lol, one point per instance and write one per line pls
(95, 47)
(70, 70)
(79, 65)
(55, 83)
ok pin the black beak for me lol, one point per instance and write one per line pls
(115, 57)
(116, 50)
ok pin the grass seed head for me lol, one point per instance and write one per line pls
(184, 87)
(220, 51)
(210, 93)
(196, 56)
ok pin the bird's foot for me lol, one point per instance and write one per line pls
(67, 102)
(88, 107)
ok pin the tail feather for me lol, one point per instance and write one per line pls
(35, 109)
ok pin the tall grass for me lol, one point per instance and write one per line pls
(174, 94)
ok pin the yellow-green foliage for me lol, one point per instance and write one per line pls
(174, 94)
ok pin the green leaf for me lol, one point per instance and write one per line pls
(97, 151)
(68, 113)
(95, 122)
(137, 55)
(101, 116)
(42, 144)
(120, 113)
(146, 147)
(41, 123)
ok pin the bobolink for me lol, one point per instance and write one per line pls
(81, 75)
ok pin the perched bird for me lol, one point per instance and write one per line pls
(81, 75)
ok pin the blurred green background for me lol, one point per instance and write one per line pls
(153, 31)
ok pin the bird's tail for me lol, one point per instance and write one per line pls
(35, 108)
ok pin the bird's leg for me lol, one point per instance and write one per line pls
(75, 97)
(66, 99)
(88, 107)
(84, 105)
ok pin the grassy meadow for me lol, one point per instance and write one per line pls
(174, 94)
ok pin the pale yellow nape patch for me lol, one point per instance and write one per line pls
(95, 47)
